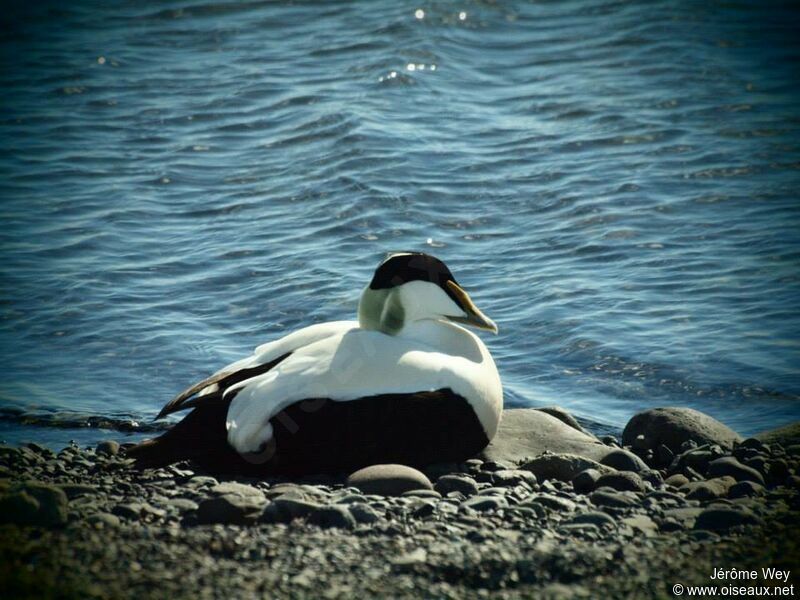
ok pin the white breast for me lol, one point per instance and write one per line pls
(343, 362)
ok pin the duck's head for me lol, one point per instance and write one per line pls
(414, 286)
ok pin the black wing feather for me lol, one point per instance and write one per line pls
(223, 380)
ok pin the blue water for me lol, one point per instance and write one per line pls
(616, 183)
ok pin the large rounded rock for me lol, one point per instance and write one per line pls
(788, 435)
(526, 433)
(388, 480)
(563, 416)
(674, 426)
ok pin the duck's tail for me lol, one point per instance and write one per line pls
(200, 437)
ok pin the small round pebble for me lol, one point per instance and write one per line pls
(334, 515)
(389, 480)
(456, 483)
(585, 481)
(622, 460)
(108, 447)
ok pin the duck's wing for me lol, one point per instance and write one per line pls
(221, 381)
(265, 357)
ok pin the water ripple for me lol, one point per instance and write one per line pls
(615, 182)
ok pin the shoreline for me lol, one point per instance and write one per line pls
(81, 523)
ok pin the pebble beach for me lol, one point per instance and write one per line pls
(83, 523)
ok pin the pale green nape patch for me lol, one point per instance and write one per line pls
(393, 316)
(381, 310)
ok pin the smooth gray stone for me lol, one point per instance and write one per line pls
(285, 509)
(600, 519)
(19, 508)
(696, 459)
(456, 483)
(9, 454)
(74, 490)
(728, 465)
(286, 490)
(137, 510)
(708, 490)
(294, 506)
(677, 480)
(422, 494)
(108, 447)
(201, 481)
(753, 443)
(664, 455)
(612, 499)
(723, 518)
(182, 504)
(563, 416)
(745, 489)
(388, 480)
(563, 467)
(333, 516)
(363, 513)
(585, 481)
(103, 519)
(673, 426)
(493, 491)
(485, 503)
(552, 502)
(778, 472)
(622, 481)
(128, 510)
(788, 435)
(50, 500)
(526, 433)
(512, 477)
(237, 489)
(495, 465)
(230, 509)
(622, 460)
(641, 524)
(793, 450)
(685, 515)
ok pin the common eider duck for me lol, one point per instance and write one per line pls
(405, 383)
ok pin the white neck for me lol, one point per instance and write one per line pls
(444, 337)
